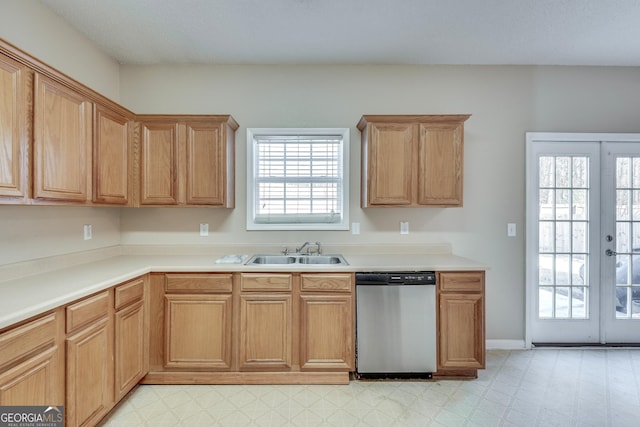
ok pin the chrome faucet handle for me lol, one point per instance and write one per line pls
(319, 249)
(285, 251)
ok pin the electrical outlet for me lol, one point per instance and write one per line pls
(404, 227)
(355, 228)
(88, 232)
(204, 230)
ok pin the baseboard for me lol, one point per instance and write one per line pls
(228, 378)
(505, 345)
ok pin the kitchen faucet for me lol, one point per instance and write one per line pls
(307, 245)
(304, 245)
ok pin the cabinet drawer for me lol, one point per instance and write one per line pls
(263, 281)
(86, 311)
(326, 282)
(129, 293)
(198, 283)
(467, 281)
(24, 339)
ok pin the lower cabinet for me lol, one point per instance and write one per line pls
(131, 337)
(197, 321)
(84, 356)
(265, 332)
(461, 328)
(247, 327)
(90, 363)
(327, 322)
(198, 331)
(224, 328)
(32, 363)
(266, 319)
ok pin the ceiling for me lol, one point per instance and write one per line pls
(557, 32)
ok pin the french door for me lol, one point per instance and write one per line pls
(583, 238)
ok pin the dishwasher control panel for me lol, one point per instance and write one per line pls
(396, 278)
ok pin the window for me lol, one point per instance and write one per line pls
(297, 179)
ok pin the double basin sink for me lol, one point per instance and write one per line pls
(297, 259)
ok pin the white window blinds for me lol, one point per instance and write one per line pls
(298, 178)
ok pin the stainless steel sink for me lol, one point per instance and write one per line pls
(322, 259)
(297, 259)
(271, 259)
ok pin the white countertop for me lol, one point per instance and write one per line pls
(29, 296)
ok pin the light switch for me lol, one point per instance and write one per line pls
(511, 230)
(404, 227)
(355, 228)
(88, 232)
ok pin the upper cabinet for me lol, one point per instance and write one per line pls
(412, 160)
(62, 142)
(14, 131)
(210, 151)
(158, 162)
(112, 156)
(82, 147)
(187, 160)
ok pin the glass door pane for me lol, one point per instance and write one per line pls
(627, 289)
(563, 241)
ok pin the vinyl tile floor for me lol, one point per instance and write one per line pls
(541, 387)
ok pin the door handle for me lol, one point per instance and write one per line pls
(609, 252)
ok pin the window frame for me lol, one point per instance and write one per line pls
(343, 224)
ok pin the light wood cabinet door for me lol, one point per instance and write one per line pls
(266, 282)
(327, 332)
(198, 331)
(90, 361)
(461, 332)
(440, 161)
(32, 363)
(90, 372)
(62, 142)
(14, 135)
(461, 281)
(329, 282)
(206, 164)
(461, 320)
(33, 382)
(111, 157)
(131, 348)
(159, 163)
(265, 332)
(391, 164)
(195, 283)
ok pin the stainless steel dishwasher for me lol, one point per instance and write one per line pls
(396, 324)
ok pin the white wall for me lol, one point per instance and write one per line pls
(29, 232)
(505, 102)
(34, 28)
